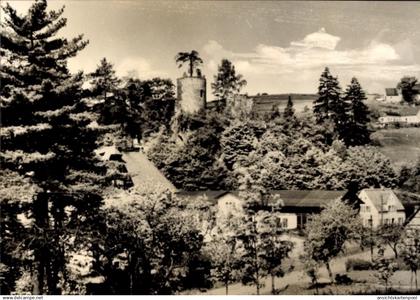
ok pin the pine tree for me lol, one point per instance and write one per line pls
(46, 139)
(289, 111)
(226, 82)
(329, 106)
(103, 79)
(357, 132)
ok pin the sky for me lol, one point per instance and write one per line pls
(278, 46)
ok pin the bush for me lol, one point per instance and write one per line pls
(343, 279)
(401, 265)
(358, 265)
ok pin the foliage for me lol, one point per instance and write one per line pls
(329, 106)
(327, 232)
(385, 267)
(410, 178)
(357, 264)
(356, 131)
(289, 111)
(192, 58)
(193, 164)
(103, 79)
(48, 141)
(410, 252)
(406, 85)
(263, 250)
(226, 82)
(224, 251)
(154, 237)
(391, 235)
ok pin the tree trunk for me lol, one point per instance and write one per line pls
(257, 281)
(38, 277)
(191, 67)
(226, 287)
(395, 251)
(316, 286)
(273, 288)
(40, 211)
(417, 287)
(330, 274)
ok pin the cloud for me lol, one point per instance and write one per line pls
(304, 60)
(137, 67)
(319, 39)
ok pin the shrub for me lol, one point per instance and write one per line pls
(358, 264)
(343, 279)
(401, 265)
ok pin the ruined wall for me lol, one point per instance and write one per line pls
(191, 94)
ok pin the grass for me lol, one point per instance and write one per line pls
(380, 109)
(364, 283)
(401, 145)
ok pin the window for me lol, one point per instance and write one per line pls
(367, 208)
(201, 93)
(400, 221)
(392, 221)
(386, 221)
(391, 208)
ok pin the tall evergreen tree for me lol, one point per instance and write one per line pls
(46, 139)
(103, 79)
(289, 111)
(329, 106)
(226, 81)
(357, 132)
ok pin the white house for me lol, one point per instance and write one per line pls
(296, 206)
(393, 95)
(380, 207)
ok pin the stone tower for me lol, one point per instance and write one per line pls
(191, 94)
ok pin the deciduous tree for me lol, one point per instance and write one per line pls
(406, 85)
(327, 232)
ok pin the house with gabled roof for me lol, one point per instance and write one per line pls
(295, 206)
(393, 95)
(380, 207)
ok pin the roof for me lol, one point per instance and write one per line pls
(391, 92)
(380, 196)
(210, 195)
(415, 220)
(142, 171)
(308, 198)
(291, 198)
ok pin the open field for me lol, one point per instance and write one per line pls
(401, 145)
(395, 109)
